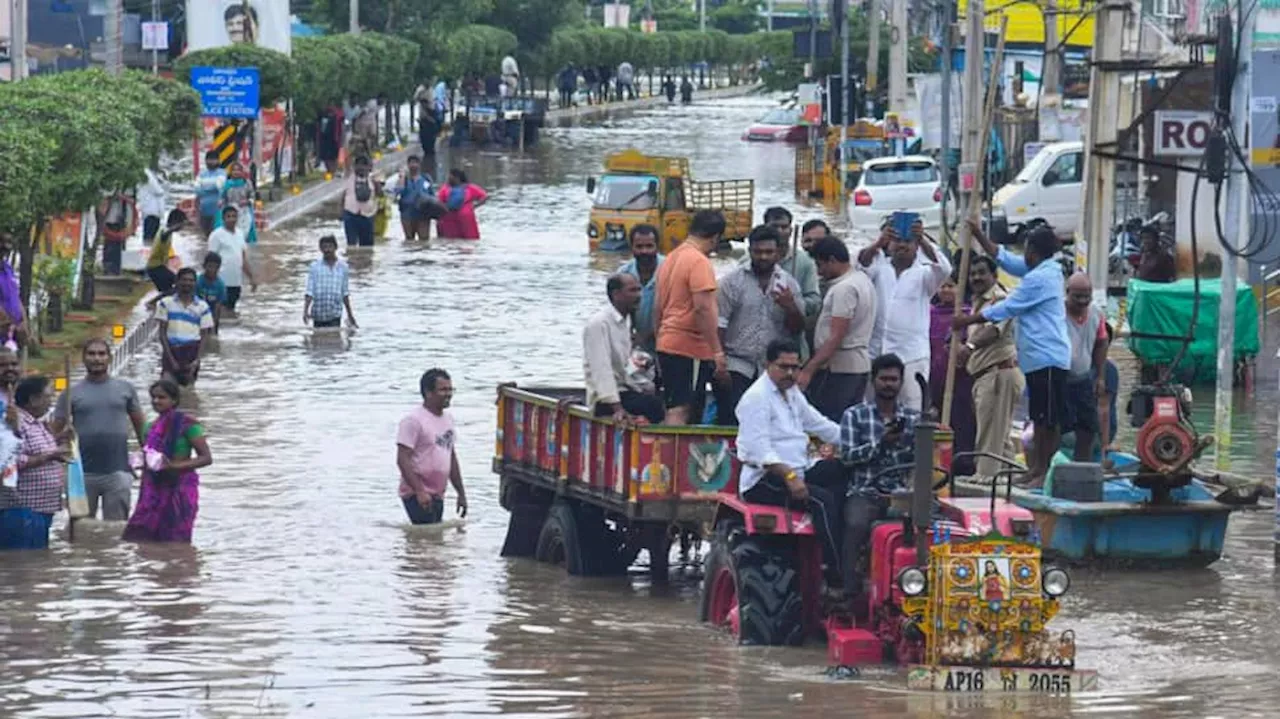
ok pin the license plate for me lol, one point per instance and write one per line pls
(1001, 679)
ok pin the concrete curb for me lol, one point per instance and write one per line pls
(291, 208)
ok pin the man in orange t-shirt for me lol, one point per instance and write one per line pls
(687, 321)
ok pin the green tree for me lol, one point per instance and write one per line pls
(532, 21)
(69, 137)
(736, 17)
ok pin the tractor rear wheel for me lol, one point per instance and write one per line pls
(559, 541)
(752, 590)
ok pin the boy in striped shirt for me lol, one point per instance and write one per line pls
(184, 320)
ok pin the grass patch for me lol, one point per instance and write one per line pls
(49, 358)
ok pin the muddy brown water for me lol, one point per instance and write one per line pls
(307, 594)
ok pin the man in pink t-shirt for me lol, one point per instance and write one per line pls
(425, 453)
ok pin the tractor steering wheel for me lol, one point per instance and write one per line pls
(910, 466)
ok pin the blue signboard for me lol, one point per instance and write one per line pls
(227, 91)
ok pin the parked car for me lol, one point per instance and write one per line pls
(780, 125)
(1048, 190)
(889, 184)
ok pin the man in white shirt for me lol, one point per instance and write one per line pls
(906, 282)
(151, 197)
(606, 350)
(229, 242)
(774, 424)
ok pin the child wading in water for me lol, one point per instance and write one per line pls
(211, 288)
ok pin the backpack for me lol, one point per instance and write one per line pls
(364, 188)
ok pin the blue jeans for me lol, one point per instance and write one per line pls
(24, 529)
(358, 229)
(424, 515)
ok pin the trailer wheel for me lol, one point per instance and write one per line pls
(525, 524)
(559, 542)
(763, 588)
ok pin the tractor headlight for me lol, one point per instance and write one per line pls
(912, 582)
(1055, 582)
(593, 231)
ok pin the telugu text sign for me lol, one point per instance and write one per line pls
(1182, 133)
(227, 91)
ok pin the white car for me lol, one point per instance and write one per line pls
(892, 184)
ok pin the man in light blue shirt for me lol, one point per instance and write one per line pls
(1044, 348)
(643, 266)
(209, 191)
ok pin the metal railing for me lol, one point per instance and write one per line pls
(124, 348)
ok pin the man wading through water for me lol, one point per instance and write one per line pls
(102, 410)
(425, 452)
(327, 293)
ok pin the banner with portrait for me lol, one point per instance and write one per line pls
(218, 23)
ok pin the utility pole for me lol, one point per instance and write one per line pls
(974, 45)
(1099, 186)
(113, 36)
(898, 35)
(768, 18)
(702, 15)
(155, 54)
(1051, 76)
(948, 30)
(18, 41)
(353, 9)
(813, 40)
(873, 54)
(846, 95)
(1237, 230)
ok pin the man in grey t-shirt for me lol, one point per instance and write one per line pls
(836, 376)
(101, 410)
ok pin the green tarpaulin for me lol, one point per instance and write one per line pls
(1165, 308)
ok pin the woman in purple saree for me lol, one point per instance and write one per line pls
(961, 421)
(170, 494)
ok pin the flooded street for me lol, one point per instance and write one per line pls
(308, 594)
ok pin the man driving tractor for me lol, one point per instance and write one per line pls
(774, 424)
(876, 435)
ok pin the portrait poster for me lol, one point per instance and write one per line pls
(219, 23)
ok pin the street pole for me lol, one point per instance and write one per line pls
(898, 35)
(353, 9)
(114, 41)
(1237, 230)
(974, 42)
(873, 54)
(768, 18)
(155, 54)
(1099, 186)
(812, 74)
(948, 29)
(702, 15)
(1051, 75)
(846, 94)
(18, 41)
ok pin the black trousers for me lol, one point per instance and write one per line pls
(823, 507)
(728, 396)
(831, 393)
(648, 406)
(860, 513)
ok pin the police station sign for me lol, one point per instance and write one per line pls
(1182, 133)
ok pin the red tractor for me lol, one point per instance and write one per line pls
(954, 584)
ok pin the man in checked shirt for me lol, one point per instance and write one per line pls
(875, 435)
(327, 292)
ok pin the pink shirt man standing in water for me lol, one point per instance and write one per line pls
(425, 453)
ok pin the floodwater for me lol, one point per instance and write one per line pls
(306, 594)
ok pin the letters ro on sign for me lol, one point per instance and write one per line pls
(1182, 133)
